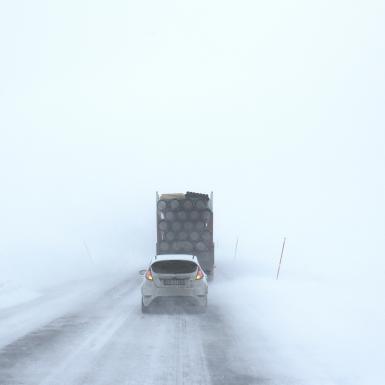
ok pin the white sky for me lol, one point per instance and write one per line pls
(276, 106)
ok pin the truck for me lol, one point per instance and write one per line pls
(184, 225)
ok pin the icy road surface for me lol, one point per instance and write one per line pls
(106, 340)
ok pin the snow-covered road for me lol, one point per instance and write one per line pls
(105, 340)
(257, 331)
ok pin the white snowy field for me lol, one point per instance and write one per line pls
(12, 294)
(257, 331)
(24, 309)
(322, 331)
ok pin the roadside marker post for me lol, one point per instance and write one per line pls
(280, 259)
(236, 248)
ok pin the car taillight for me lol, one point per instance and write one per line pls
(200, 274)
(149, 275)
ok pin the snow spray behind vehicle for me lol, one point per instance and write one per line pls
(185, 226)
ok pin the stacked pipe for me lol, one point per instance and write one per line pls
(184, 224)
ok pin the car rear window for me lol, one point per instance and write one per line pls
(174, 267)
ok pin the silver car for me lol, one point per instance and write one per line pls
(174, 275)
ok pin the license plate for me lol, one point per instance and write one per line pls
(174, 282)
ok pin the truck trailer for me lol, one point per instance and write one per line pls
(184, 224)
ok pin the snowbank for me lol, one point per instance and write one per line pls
(38, 309)
(31, 280)
(316, 332)
(12, 294)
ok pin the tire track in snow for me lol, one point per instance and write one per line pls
(37, 354)
(111, 342)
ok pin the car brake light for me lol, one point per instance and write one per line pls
(149, 275)
(200, 274)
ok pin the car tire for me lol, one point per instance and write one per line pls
(202, 307)
(145, 309)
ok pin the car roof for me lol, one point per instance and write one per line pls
(174, 257)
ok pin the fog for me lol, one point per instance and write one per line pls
(276, 107)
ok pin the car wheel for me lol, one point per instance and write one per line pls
(202, 307)
(145, 309)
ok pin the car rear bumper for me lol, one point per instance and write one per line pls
(149, 293)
